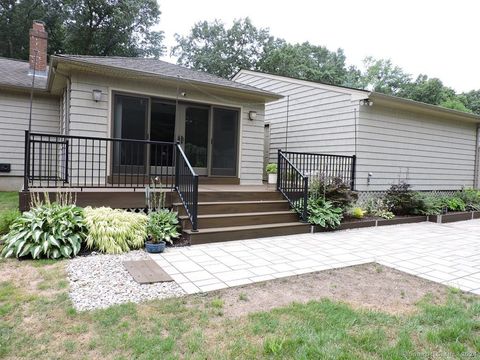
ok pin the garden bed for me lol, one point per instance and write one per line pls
(454, 216)
(351, 223)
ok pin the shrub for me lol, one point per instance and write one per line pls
(271, 168)
(454, 203)
(358, 212)
(324, 213)
(334, 190)
(470, 197)
(400, 199)
(162, 226)
(378, 208)
(115, 231)
(6, 219)
(427, 204)
(51, 231)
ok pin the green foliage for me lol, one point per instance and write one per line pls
(87, 27)
(378, 208)
(114, 231)
(455, 104)
(6, 219)
(214, 48)
(471, 198)
(51, 231)
(454, 203)
(382, 76)
(427, 204)
(163, 226)
(271, 168)
(400, 199)
(333, 190)
(358, 212)
(324, 213)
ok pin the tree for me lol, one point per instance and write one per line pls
(87, 27)
(455, 104)
(430, 91)
(382, 76)
(471, 100)
(222, 51)
(306, 61)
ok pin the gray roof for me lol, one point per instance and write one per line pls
(15, 73)
(163, 69)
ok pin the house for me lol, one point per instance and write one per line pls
(112, 128)
(430, 147)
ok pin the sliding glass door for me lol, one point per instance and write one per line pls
(130, 122)
(224, 142)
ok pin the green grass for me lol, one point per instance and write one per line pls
(38, 322)
(8, 200)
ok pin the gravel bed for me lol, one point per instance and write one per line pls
(98, 281)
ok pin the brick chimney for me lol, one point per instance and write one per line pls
(38, 45)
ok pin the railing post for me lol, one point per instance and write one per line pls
(305, 198)
(26, 161)
(195, 203)
(354, 165)
(177, 165)
(278, 168)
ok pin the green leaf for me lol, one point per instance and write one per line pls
(53, 241)
(35, 251)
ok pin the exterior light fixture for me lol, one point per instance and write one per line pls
(366, 102)
(252, 115)
(96, 95)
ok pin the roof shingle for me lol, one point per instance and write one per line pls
(15, 73)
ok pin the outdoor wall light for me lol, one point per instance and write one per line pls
(366, 102)
(97, 95)
(252, 115)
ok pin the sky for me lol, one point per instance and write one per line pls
(438, 38)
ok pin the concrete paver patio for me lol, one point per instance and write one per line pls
(445, 253)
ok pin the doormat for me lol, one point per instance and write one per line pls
(146, 271)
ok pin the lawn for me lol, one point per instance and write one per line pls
(38, 322)
(8, 200)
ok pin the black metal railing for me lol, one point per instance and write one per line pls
(294, 169)
(186, 184)
(65, 161)
(326, 166)
(292, 184)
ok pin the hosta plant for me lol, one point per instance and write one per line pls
(163, 226)
(323, 213)
(114, 231)
(48, 231)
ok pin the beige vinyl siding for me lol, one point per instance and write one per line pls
(14, 116)
(319, 120)
(90, 118)
(429, 153)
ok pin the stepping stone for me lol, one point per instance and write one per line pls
(146, 271)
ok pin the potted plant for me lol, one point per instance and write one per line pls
(162, 227)
(272, 173)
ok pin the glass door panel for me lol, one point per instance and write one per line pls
(224, 142)
(162, 128)
(196, 137)
(130, 115)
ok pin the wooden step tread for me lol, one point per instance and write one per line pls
(247, 227)
(266, 213)
(237, 202)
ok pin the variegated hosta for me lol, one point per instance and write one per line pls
(51, 231)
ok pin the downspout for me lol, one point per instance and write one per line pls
(477, 157)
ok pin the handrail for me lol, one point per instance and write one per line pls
(293, 185)
(186, 185)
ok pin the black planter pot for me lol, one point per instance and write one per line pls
(154, 248)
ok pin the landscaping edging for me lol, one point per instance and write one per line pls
(454, 216)
(441, 219)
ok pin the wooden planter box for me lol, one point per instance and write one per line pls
(454, 216)
(373, 223)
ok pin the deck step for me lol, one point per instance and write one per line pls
(203, 236)
(240, 219)
(222, 196)
(236, 207)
